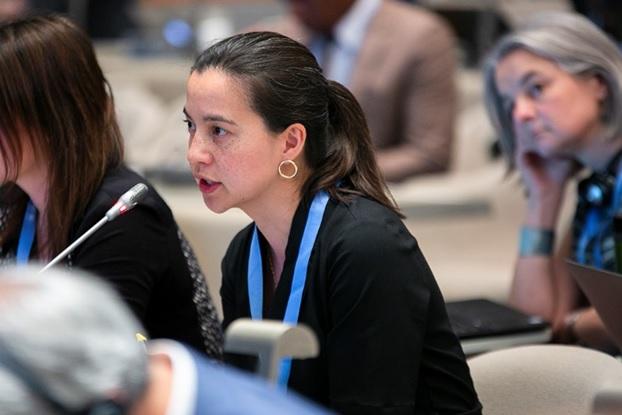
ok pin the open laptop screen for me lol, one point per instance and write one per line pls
(604, 290)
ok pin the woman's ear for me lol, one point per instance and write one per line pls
(294, 138)
(600, 87)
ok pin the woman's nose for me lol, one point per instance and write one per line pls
(524, 110)
(198, 153)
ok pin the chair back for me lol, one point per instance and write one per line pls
(548, 379)
(271, 341)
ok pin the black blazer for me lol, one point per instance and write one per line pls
(386, 346)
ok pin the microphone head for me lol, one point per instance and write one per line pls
(127, 200)
(134, 195)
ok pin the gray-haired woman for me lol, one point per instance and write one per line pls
(553, 91)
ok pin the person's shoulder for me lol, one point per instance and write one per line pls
(405, 12)
(270, 24)
(286, 25)
(411, 21)
(229, 390)
(118, 181)
(361, 220)
(364, 209)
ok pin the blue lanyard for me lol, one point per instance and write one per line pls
(27, 234)
(617, 194)
(255, 274)
(590, 231)
(597, 219)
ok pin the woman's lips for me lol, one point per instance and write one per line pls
(208, 186)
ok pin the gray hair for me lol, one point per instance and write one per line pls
(577, 46)
(74, 335)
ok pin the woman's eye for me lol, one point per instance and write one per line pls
(535, 90)
(189, 124)
(218, 131)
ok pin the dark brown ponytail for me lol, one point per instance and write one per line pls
(349, 166)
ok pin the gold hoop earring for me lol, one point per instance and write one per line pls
(291, 163)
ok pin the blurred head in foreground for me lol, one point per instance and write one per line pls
(67, 345)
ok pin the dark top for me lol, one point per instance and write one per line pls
(386, 346)
(147, 259)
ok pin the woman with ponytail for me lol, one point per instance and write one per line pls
(270, 135)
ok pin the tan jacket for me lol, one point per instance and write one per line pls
(404, 81)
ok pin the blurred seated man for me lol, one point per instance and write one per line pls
(68, 345)
(399, 61)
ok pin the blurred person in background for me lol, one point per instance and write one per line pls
(61, 169)
(606, 14)
(399, 61)
(270, 135)
(101, 19)
(553, 89)
(11, 9)
(68, 345)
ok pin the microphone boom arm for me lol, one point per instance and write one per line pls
(75, 243)
(125, 203)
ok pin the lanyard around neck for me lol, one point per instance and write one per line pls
(255, 273)
(27, 234)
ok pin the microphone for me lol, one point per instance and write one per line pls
(126, 202)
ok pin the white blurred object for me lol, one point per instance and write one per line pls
(270, 341)
(215, 26)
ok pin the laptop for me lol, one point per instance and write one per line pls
(604, 290)
(483, 325)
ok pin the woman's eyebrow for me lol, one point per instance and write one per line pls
(213, 117)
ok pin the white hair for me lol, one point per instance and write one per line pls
(577, 46)
(73, 334)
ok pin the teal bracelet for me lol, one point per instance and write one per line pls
(536, 242)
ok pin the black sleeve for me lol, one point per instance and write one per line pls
(379, 296)
(129, 252)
